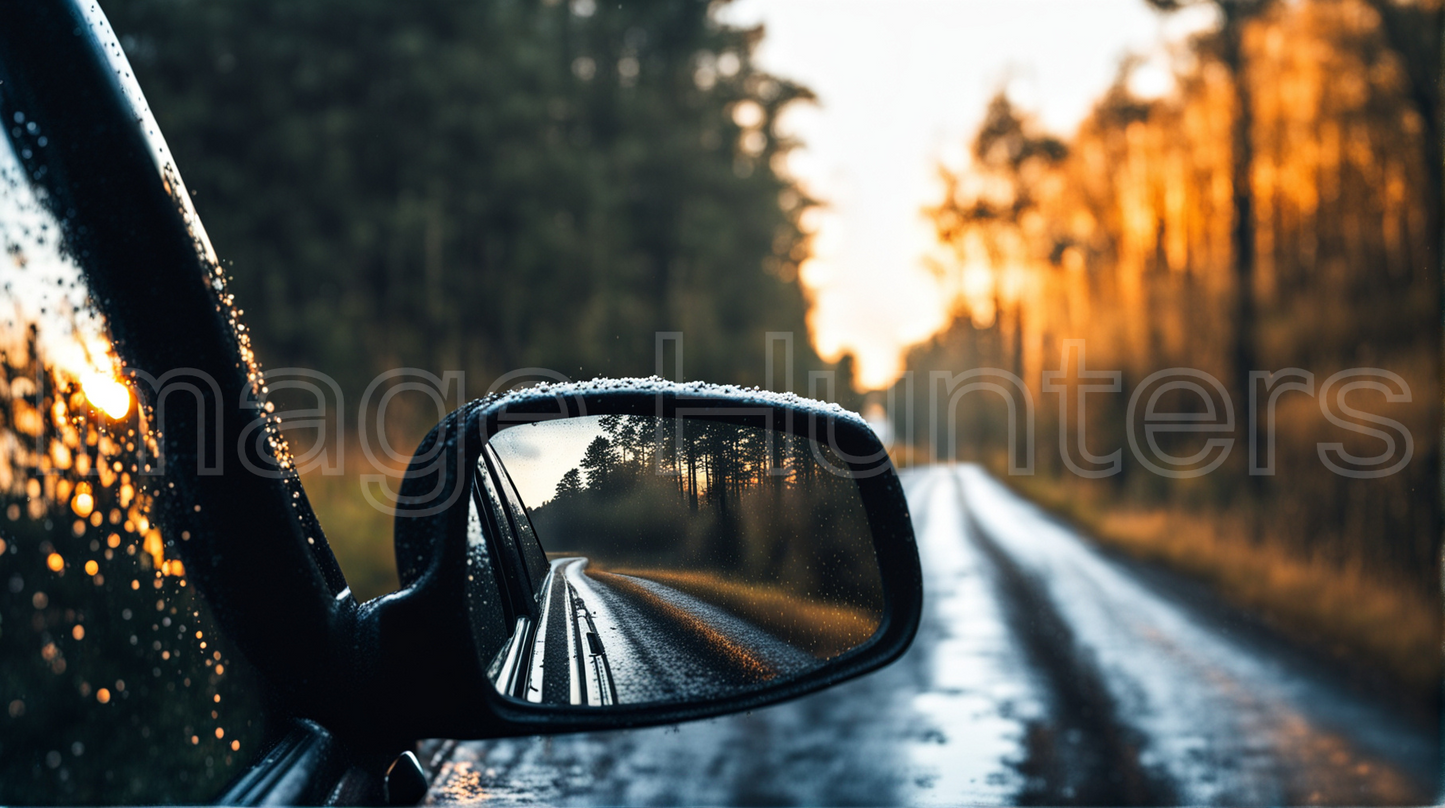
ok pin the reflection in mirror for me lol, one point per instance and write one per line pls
(626, 559)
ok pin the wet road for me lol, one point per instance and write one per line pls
(1044, 672)
(648, 642)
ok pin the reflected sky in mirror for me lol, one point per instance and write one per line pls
(538, 454)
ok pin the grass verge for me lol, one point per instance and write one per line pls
(1369, 624)
(824, 630)
(359, 534)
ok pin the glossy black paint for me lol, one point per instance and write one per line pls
(302, 768)
(378, 675)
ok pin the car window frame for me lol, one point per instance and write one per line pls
(534, 556)
(514, 585)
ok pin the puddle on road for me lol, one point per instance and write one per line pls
(980, 697)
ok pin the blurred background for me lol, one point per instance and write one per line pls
(906, 188)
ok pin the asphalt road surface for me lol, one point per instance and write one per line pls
(649, 642)
(1044, 672)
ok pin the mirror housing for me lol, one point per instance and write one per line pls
(429, 678)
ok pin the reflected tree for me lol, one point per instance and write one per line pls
(748, 504)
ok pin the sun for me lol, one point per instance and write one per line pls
(106, 394)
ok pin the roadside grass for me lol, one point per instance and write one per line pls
(824, 630)
(1366, 623)
(746, 664)
(359, 534)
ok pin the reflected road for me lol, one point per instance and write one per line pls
(1044, 672)
(613, 638)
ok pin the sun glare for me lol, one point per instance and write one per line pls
(106, 394)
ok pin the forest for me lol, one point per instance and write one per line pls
(519, 191)
(765, 524)
(1277, 209)
(483, 186)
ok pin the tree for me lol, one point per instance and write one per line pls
(1228, 48)
(1010, 149)
(598, 461)
(570, 485)
(1415, 31)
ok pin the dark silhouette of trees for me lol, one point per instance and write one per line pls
(569, 485)
(598, 463)
(977, 225)
(484, 186)
(748, 504)
(1415, 31)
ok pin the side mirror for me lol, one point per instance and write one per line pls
(621, 553)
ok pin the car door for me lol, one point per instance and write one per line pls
(126, 382)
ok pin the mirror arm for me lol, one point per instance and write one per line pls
(414, 645)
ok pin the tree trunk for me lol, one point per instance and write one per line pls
(1241, 235)
(1416, 33)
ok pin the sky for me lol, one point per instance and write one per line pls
(537, 455)
(902, 85)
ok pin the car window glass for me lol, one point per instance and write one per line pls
(532, 553)
(510, 567)
(486, 607)
(117, 686)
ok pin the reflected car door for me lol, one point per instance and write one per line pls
(532, 552)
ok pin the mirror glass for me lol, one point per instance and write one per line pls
(630, 559)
